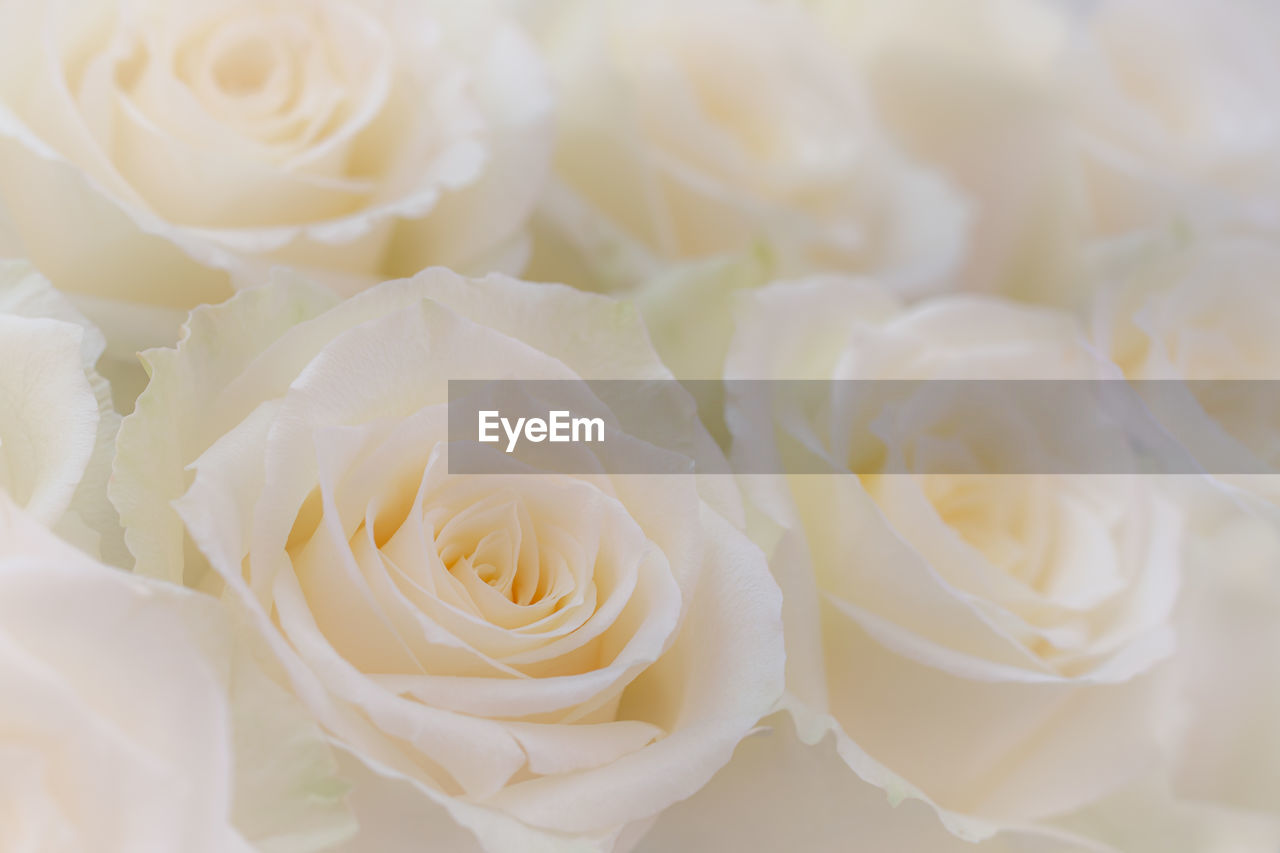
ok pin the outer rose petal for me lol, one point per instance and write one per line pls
(1149, 818)
(175, 419)
(779, 793)
(147, 679)
(1230, 630)
(59, 412)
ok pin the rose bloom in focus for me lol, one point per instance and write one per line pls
(547, 661)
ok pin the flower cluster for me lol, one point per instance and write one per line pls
(883, 584)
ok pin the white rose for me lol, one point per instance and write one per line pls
(968, 87)
(1204, 307)
(57, 426)
(1066, 122)
(1189, 306)
(1172, 101)
(129, 726)
(990, 644)
(177, 149)
(551, 659)
(688, 130)
(1201, 307)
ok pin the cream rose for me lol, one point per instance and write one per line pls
(1189, 306)
(1171, 101)
(1066, 122)
(57, 425)
(552, 659)
(155, 154)
(693, 129)
(129, 723)
(970, 88)
(991, 644)
(1203, 307)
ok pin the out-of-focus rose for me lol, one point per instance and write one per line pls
(1065, 122)
(1204, 307)
(157, 153)
(1171, 103)
(989, 643)
(688, 130)
(553, 659)
(1201, 307)
(969, 88)
(130, 725)
(57, 426)
(1188, 306)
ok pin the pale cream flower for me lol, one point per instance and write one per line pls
(688, 130)
(1066, 122)
(131, 724)
(1200, 306)
(549, 659)
(990, 644)
(156, 153)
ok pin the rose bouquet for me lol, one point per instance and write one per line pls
(926, 351)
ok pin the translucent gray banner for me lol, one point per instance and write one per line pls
(864, 427)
